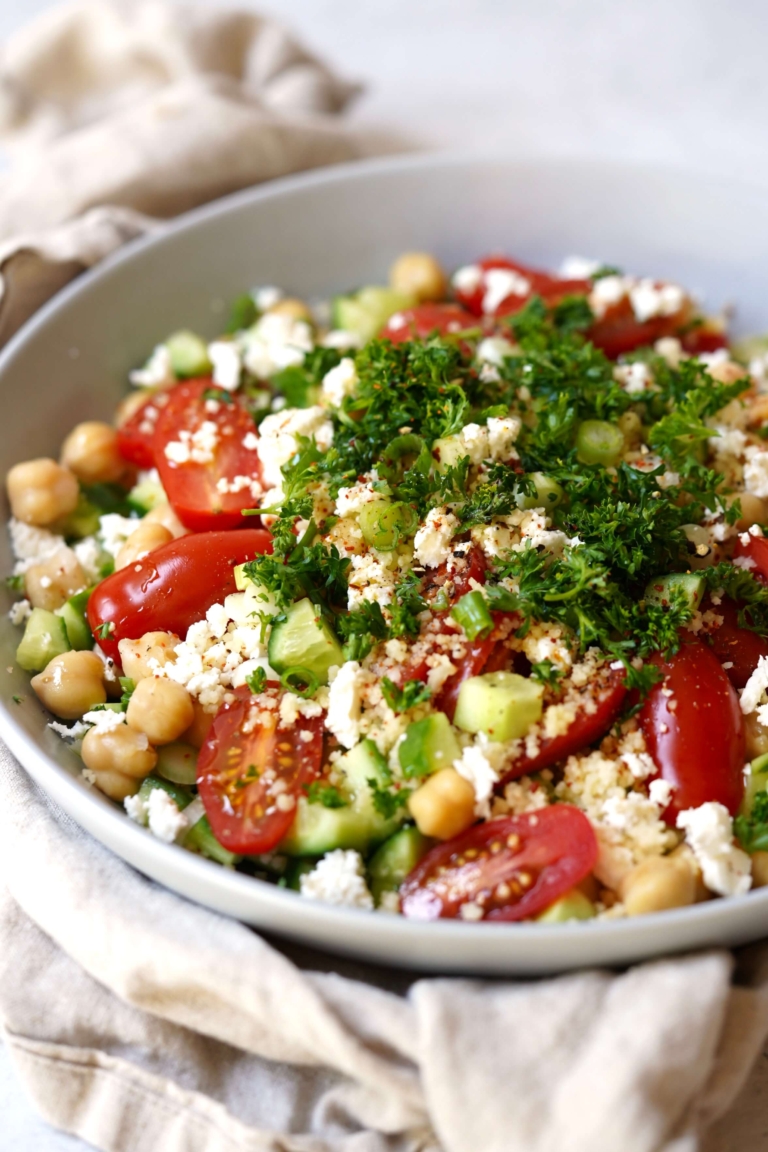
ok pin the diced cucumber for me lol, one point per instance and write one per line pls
(548, 492)
(501, 704)
(304, 639)
(45, 636)
(200, 838)
(756, 781)
(448, 451)
(84, 521)
(368, 310)
(76, 622)
(147, 495)
(317, 829)
(177, 762)
(428, 746)
(689, 583)
(574, 905)
(188, 353)
(396, 857)
(177, 792)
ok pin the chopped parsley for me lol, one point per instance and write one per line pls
(256, 680)
(318, 792)
(752, 831)
(413, 692)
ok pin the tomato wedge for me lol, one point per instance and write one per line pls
(250, 772)
(172, 587)
(754, 549)
(205, 451)
(513, 868)
(593, 719)
(419, 322)
(738, 649)
(694, 730)
(135, 437)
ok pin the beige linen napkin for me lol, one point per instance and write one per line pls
(140, 1021)
(117, 114)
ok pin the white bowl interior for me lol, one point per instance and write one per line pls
(317, 235)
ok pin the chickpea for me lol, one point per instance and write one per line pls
(755, 735)
(727, 373)
(161, 709)
(91, 452)
(198, 729)
(759, 869)
(135, 655)
(143, 540)
(753, 509)
(758, 410)
(71, 684)
(444, 805)
(54, 580)
(165, 515)
(120, 759)
(658, 883)
(41, 491)
(418, 274)
(290, 306)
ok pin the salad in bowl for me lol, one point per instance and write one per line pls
(445, 598)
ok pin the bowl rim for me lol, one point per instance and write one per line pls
(78, 798)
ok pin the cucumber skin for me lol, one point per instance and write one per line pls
(76, 622)
(395, 859)
(428, 746)
(304, 640)
(45, 637)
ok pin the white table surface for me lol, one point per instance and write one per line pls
(684, 82)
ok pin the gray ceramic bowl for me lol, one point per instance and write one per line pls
(316, 235)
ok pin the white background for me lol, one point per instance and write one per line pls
(681, 81)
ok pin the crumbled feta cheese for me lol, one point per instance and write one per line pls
(432, 541)
(728, 441)
(339, 878)
(157, 372)
(649, 299)
(352, 500)
(89, 556)
(671, 350)
(479, 764)
(500, 283)
(607, 292)
(370, 578)
(340, 382)
(756, 474)
(226, 358)
(104, 719)
(198, 447)
(266, 297)
(578, 268)
(634, 378)
(114, 530)
(277, 437)
(341, 339)
(755, 687)
(275, 342)
(468, 278)
(76, 732)
(345, 703)
(494, 350)
(137, 809)
(19, 612)
(660, 791)
(502, 434)
(166, 821)
(709, 831)
(31, 545)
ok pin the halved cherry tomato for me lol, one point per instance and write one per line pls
(703, 339)
(754, 549)
(419, 322)
(513, 867)
(211, 492)
(619, 332)
(172, 587)
(250, 772)
(693, 728)
(737, 647)
(550, 288)
(136, 436)
(607, 693)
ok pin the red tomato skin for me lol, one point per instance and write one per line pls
(191, 487)
(172, 587)
(739, 647)
(557, 844)
(237, 814)
(756, 550)
(700, 340)
(135, 437)
(424, 319)
(698, 742)
(550, 288)
(585, 729)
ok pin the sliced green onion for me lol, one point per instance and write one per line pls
(473, 615)
(547, 492)
(385, 526)
(598, 442)
(401, 455)
(300, 681)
